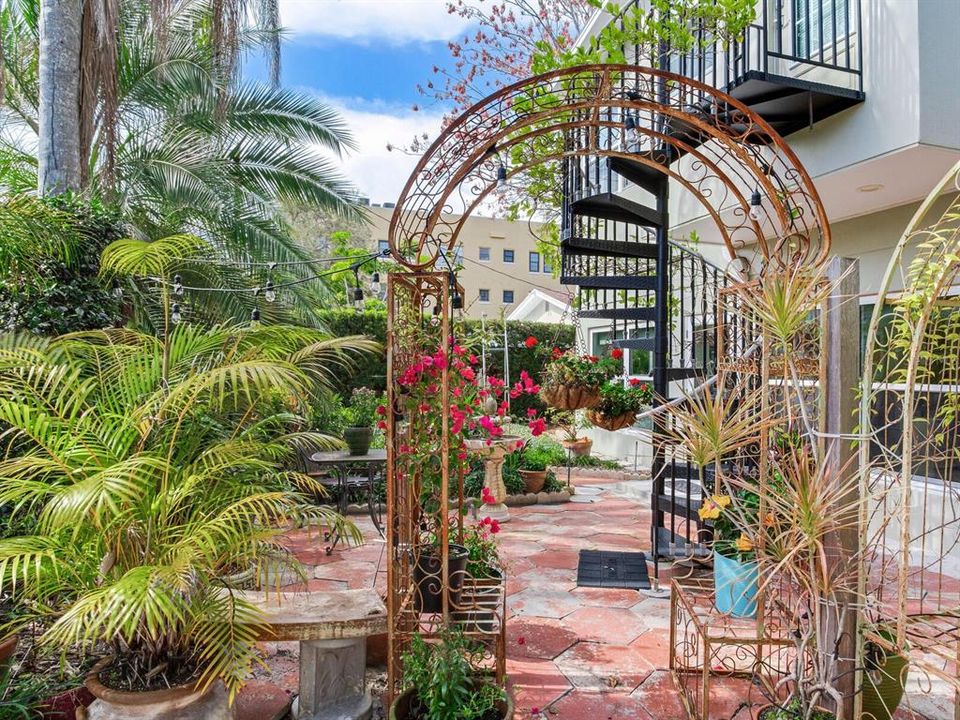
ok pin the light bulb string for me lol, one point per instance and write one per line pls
(354, 268)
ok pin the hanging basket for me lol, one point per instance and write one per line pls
(570, 397)
(611, 422)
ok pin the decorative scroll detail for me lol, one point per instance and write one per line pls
(727, 152)
(910, 452)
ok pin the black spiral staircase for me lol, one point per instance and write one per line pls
(659, 296)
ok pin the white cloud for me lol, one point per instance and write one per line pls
(380, 174)
(394, 20)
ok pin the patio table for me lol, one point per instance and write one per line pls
(343, 468)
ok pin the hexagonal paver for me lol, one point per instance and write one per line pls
(565, 559)
(659, 697)
(607, 597)
(614, 626)
(595, 705)
(535, 684)
(599, 666)
(542, 601)
(538, 637)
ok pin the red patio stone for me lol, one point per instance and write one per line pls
(658, 696)
(537, 637)
(535, 684)
(615, 626)
(600, 666)
(596, 705)
(565, 559)
(259, 700)
(607, 597)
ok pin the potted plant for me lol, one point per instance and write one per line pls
(360, 416)
(572, 381)
(571, 424)
(534, 466)
(735, 569)
(155, 482)
(442, 684)
(885, 675)
(481, 596)
(619, 404)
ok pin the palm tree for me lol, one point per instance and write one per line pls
(177, 141)
(154, 468)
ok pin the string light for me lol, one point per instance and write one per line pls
(501, 176)
(175, 316)
(177, 285)
(269, 294)
(255, 317)
(375, 283)
(755, 201)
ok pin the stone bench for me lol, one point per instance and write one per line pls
(332, 628)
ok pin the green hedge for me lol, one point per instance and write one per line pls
(371, 371)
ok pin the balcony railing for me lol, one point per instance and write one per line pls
(816, 42)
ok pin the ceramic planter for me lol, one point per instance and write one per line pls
(570, 397)
(8, 646)
(428, 577)
(181, 702)
(735, 586)
(358, 439)
(883, 684)
(611, 422)
(579, 447)
(533, 480)
(401, 707)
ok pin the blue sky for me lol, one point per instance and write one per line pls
(365, 57)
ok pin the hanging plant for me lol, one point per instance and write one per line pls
(572, 382)
(619, 404)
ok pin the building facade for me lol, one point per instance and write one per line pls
(497, 259)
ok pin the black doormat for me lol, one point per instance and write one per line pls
(606, 569)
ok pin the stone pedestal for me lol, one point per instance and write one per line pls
(493, 456)
(332, 680)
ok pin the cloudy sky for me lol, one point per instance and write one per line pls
(366, 57)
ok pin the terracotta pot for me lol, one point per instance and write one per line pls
(65, 705)
(533, 479)
(400, 709)
(8, 646)
(579, 447)
(568, 397)
(358, 439)
(181, 702)
(611, 422)
(428, 577)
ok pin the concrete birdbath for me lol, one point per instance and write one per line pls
(493, 452)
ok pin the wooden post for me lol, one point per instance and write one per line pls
(841, 346)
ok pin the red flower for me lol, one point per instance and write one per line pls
(521, 640)
(537, 427)
(530, 342)
(382, 425)
(634, 382)
(616, 353)
(556, 352)
(382, 410)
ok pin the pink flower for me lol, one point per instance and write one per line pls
(531, 412)
(537, 427)
(468, 374)
(427, 361)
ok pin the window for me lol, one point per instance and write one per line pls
(485, 254)
(818, 24)
(547, 267)
(534, 262)
(458, 255)
(484, 295)
(383, 245)
(508, 256)
(508, 297)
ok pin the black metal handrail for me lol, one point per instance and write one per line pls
(789, 38)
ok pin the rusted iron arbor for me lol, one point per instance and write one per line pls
(654, 124)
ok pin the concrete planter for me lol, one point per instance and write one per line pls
(182, 702)
(358, 439)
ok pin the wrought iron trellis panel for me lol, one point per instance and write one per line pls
(910, 450)
(425, 487)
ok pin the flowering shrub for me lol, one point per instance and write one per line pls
(472, 411)
(568, 368)
(728, 515)
(363, 410)
(480, 542)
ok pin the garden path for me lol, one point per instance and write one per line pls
(572, 653)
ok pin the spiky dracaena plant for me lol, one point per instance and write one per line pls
(153, 468)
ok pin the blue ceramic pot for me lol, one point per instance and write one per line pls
(735, 586)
